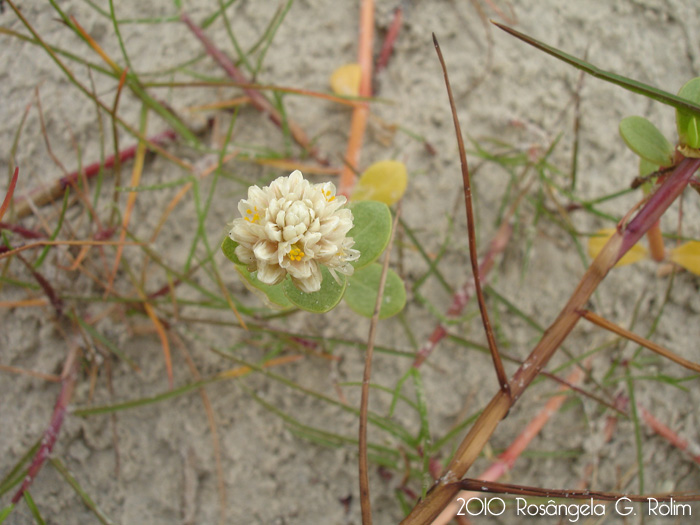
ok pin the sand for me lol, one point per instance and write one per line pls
(164, 469)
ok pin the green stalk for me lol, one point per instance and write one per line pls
(629, 84)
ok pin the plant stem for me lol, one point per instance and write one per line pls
(472, 445)
(358, 123)
(367, 374)
(68, 380)
(656, 242)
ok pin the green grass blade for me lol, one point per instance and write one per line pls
(4, 513)
(15, 476)
(170, 394)
(637, 430)
(627, 83)
(87, 500)
(118, 34)
(33, 508)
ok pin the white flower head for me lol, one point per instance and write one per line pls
(292, 227)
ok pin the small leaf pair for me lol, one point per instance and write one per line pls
(644, 138)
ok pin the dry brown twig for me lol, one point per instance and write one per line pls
(364, 403)
(626, 235)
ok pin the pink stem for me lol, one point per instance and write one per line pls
(68, 379)
(658, 203)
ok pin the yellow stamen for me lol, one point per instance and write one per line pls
(295, 254)
(255, 216)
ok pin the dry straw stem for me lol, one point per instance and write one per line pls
(604, 323)
(506, 460)
(460, 299)
(131, 201)
(364, 402)
(537, 492)
(624, 238)
(497, 363)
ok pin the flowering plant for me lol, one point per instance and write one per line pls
(300, 245)
(292, 227)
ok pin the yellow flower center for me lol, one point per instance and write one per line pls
(254, 215)
(295, 254)
(328, 196)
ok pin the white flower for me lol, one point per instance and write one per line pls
(292, 227)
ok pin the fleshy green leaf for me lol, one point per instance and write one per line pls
(383, 181)
(4, 513)
(642, 137)
(687, 122)
(324, 300)
(229, 248)
(273, 296)
(647, 168)
(371, 230)
(362, 292)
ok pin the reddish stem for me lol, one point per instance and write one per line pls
(668, 434)
(68, 380)
(656, 242)
(44, 195)
(10, 192)
(657, 205)
(21, 230)
(388, 45)
(256, 98)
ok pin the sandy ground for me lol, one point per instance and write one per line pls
(505, 90)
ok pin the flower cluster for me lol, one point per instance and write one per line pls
(292, 227)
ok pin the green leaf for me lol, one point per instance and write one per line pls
(229, 248)
(647, 168)
(361, 294)
(629, 84)
(383, 181)
(642, 137)
(272, 295)
(687, 121)
(319, 302)
(371, 230)
(4, 513)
